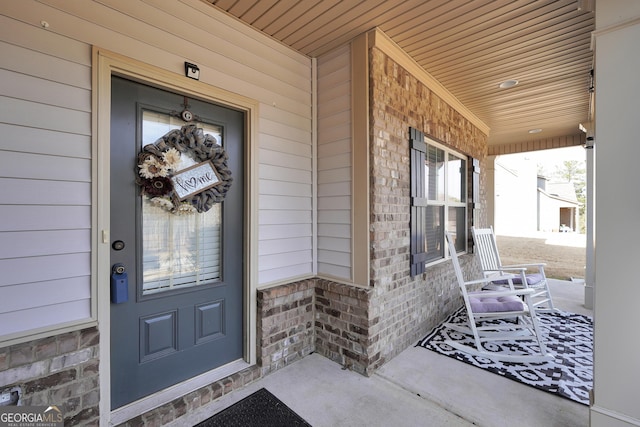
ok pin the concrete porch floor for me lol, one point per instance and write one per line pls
(417, 388)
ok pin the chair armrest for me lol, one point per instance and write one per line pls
(509, 268)
(539, 264)
(488, 280)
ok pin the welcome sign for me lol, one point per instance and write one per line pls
(196, 179)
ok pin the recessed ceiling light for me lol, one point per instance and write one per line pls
(508, 83)
(535, 130)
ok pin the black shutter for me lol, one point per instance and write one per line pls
(418, 149)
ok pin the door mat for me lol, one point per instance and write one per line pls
(567, 335)
(258, 409)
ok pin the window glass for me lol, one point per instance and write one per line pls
(434, 244)
(178, 251)
(434, 173)
(457, 226)
(456, 179)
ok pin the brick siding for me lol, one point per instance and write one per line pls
(406, 308)
(285, 324)
(60, 370)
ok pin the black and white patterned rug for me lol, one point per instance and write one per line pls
(567, 335)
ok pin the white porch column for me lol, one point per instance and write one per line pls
(589, 274)
(617, 223)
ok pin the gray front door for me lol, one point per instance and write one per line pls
(183, 310)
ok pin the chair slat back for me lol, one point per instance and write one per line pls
(486, 248)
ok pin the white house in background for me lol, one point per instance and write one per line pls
(558, 206)
(526, 202)
(515, 208)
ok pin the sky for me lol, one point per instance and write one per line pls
(550, 159)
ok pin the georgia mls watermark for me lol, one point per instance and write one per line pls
(31, 416)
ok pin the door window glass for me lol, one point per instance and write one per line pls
(178, 251)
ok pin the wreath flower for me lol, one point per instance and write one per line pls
(185, 208)
(157, 186)
(162, 202)
(152, 167)
(171, 158)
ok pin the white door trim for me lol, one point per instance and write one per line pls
(106, 64)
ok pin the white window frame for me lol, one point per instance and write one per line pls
(447, 203)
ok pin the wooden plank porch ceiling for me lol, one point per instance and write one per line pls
(470, 46)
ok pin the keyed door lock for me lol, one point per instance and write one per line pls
(118, 245)
(119, 284)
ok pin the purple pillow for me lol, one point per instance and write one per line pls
(532, 280)
(480, 304)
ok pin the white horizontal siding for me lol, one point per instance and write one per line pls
(335, 203)
(44, 217)
(45, 179)
(38, 294)
(46, 117)
(287, 259)
(334, 258)
(334, 189)
(40, 317)
(44, 141)
(334, 243)
(334, 175)
(284, 203)
(277, 173)
(341, 231)
(41, 243)
(33, 114)
(29, 63)
(276, 246)
(338, 161)
(38, 166)
(30, 192)
(327, 216)
(277, 274)
(284, 218)
(284, 188)
(274, 232)
(43, 268)
(285, 160)
(36, 89)
(280, 145)
(334, 164)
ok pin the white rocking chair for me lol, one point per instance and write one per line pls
(487, 255)
(514, 306)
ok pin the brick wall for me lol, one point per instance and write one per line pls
(285, 324)
(342, 325)
(406, 308)
(60, 370)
